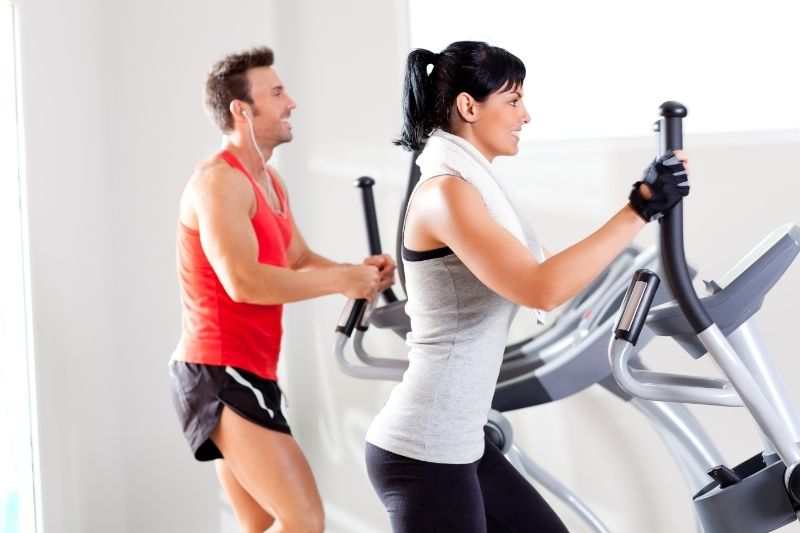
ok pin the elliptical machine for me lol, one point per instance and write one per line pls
(566, 358)
(761, 494)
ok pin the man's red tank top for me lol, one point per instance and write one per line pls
(215, 329)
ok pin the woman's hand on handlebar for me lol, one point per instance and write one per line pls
(664, 183)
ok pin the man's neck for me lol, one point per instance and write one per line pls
(245, 152)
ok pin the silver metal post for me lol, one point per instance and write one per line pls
(537, 474)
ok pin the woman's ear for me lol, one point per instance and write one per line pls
(467, 107)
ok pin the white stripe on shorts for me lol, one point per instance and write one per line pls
(259, 397)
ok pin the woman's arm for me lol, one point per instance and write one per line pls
(448, 211)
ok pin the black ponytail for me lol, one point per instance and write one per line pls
(417, 100)
(465, 66)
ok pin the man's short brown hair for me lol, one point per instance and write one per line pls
(227, 81)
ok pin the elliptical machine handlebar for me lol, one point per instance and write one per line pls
(673, 256)
(365, 183)
(355, 315)
(354, 312)
(352, 316)
(660, 386)
(656, 386)
(667, 387)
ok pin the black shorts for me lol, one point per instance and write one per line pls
(199, 393)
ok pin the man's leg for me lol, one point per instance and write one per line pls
(252, 518)
(270, 466)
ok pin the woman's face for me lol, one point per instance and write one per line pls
(499, 121)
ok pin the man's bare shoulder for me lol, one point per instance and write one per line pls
(214, 185)
(217, 177)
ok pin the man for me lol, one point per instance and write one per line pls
(240, 257)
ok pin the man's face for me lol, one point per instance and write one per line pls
(272, 107)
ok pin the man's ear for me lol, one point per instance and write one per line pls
(239, 110)
(467, 107)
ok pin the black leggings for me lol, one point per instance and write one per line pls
(487, 496)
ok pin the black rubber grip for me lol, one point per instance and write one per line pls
(673, 255)
(365, 183)
(353, 319)
(673, 259)
(670, 127)
(636, 305)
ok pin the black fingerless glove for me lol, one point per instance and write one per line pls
(668, 182)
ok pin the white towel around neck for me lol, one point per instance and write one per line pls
(445, 153)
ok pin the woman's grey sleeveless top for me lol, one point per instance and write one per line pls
(459, 329)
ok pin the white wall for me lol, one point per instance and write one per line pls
(69, 204)
(599, 66)
(345, 72)
(113, 128)
(16, 474)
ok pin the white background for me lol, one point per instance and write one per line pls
(114, 125)
(596, 68)
(16, 467)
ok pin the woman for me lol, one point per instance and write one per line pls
(468, 266)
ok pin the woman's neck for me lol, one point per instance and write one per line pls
(466, 132)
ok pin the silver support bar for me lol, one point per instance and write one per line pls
(362, 372)
(765, 415)
(665, 387)
(690, 476)
(538, 475)
(379, 362)
(687, 441)
(749, 346)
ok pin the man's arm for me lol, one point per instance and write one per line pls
(302, 258)
(221, 199)
(454, 214)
